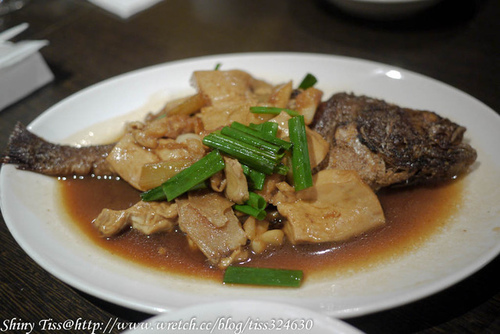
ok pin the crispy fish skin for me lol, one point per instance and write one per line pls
(33, 153)
(389, 145)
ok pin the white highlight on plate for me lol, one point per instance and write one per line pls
(393, 74)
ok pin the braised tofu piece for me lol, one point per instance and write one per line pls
(307, 102)
(232, 86)
(146, 217)
(215, 242)
(339, 206)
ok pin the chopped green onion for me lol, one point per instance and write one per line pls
(257, 127)
(217, 66)
(262, 135)
(255, 206)
(301, 165)
(273, 110)
(252, 140)
(308, 81)
(250, 210)
(256, 178)
(192, 176)
(246, 154)
(263, 276)
(155, 194)
(211, 161)
(281, 169)
(199, 186)
(256, 201)
(270, 128)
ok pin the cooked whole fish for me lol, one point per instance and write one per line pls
(388, 144)
(30, 152)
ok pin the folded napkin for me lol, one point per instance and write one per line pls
(125, 8)
(22, 68)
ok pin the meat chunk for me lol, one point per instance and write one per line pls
(146, 217)
(339, 206)
(169, 126)
(390, 145)
(237, 187)
(216, 242)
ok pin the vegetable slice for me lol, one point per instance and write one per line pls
(263, 276)
(301, 165)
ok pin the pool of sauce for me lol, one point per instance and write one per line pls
(412, 216)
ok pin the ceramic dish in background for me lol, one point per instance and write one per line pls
(42, 229)
(242, 316)
(383, 9)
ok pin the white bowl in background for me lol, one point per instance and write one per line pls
(383, 9)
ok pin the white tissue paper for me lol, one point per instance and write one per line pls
(124, 8)
(22, 68)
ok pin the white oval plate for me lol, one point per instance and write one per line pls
(242, 316)
(31, 208)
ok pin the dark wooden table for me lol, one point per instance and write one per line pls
(456, 42)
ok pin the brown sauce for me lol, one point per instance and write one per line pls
(412, 215)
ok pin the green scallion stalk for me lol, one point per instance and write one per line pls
(255, 206)
(244, 153)
(301, 165)
(262, 135)
(251, 211)
(257, 127)
(256, 201)
(281, 169)
(273, 110)
(263, 276)
(252, 140)
(193, 175)
(308, 81)
(255, 178)
(270, 128)
(155, 194)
